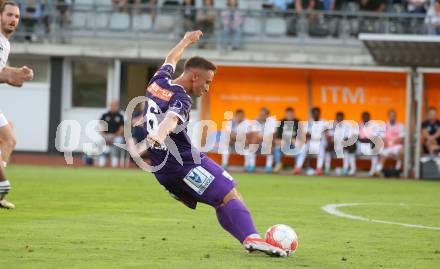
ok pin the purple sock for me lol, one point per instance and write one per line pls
(235, 218)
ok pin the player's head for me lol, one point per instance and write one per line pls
(264, 114)
(432, 114)
(114, 106)
(339, 116)
(392, 115)
(365, 116)
(316, 113)
(200, 73)
(239, 115)
(9, 17)
(289, 113)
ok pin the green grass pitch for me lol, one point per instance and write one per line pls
(93, 218)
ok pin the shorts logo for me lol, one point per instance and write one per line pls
(227, 175)
(199, 179)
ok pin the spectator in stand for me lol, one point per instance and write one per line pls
(301, 5)
(336, 4)
(431, 134)
(31, 14)
(372, 5)
(120, 5)
(394, 138)
(417, 6)
(239, 121)
(63, 8)
(290, 123)
(143, 6)
(278, 5)
(232, 20)
(63, 12)
(433, 17)
(205, 21)
(189, 13)
(114, 133)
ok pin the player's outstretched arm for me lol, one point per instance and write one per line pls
(16, 76)
(175, 54)
(168, 125)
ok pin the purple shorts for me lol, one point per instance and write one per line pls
(206, 183)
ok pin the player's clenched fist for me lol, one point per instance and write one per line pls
(17, 76)
(29, 73)
(193, 37)
(154, 140)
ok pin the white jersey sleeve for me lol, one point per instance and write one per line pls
(4, 51)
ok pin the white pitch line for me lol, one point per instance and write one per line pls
(332, 209)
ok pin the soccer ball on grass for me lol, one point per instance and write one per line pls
(282, 236)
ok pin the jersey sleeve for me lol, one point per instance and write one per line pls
(166, 71)
(103, 116)
(122, 121)
(180, 105)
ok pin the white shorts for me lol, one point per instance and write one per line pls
(393, 150)
(3, 120)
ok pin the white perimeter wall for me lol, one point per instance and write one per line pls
(27, 108)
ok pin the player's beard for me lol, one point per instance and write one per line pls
(6, 29)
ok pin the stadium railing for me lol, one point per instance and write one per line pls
(259, 25)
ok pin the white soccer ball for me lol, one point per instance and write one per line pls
(282, 236)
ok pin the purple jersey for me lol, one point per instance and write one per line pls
(165, 97)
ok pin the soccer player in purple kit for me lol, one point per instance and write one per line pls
(189, 175)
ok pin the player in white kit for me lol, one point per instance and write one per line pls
(9, 18)
(316, 142)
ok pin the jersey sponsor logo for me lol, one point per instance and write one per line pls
(159, 92)
(199, 179)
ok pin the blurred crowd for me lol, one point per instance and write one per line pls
(229, 17)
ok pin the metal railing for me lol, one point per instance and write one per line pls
(64, 23)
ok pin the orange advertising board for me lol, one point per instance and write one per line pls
(432, 90)
(354, 92)
(251, 88)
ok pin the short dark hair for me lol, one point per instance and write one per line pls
(238, 111)
(289, 109)
(6, 3)
(340, 113)
(201, 63)
(432, 108)
(317, 109)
